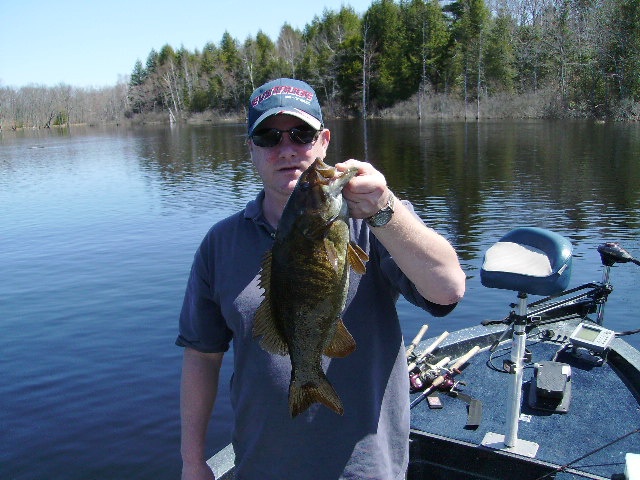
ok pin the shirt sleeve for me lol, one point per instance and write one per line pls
(202, 326)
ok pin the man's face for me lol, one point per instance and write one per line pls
(281, 165)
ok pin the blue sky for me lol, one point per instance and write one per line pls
(88, 43)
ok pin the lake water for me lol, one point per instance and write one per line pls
(98, 228)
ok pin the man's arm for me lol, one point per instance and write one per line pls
(198, 390)
(425, 257)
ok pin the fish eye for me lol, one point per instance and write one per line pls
(305, 185)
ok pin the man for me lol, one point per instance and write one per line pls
(370, 441)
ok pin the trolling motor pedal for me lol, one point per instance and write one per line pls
(550, 389)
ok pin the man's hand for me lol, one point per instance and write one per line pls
(367, 192)
(425, 257)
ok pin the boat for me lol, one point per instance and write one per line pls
(548, 392)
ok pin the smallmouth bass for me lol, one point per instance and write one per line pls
(305, 277)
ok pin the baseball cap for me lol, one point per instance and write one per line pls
(284, 96)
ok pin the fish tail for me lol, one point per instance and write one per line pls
(303, 396)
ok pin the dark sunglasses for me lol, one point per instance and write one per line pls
(270, 137)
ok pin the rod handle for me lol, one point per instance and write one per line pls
(465, 358)
(417, 339)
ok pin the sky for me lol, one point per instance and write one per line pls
(93, 44)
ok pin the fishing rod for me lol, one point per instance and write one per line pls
(445, 378)
(416, 340)
(427, 352)
(566, 467)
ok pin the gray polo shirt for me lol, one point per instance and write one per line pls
(370, 441)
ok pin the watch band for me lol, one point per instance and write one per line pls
(382, 216)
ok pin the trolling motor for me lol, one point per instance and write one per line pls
(610, 254)
(594, 338)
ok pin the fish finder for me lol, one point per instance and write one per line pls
(591, 336)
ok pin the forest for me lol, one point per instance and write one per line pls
(427, 58)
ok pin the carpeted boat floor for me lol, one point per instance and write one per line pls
(602, 409)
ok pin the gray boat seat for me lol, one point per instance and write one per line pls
(529, 260)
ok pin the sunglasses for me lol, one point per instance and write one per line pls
(270, 137)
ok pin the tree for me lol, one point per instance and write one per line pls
(229, 73)
(500, 69)
(152, 61)
(289, 48)
(139, 74)
(427, 46)
(624, 50)
(469, 33)
(327, 42)
(588, 51)
(387, 33)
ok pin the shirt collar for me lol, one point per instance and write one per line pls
(254, 211)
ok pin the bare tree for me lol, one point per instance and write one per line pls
(289, 47)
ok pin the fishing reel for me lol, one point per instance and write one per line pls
(424, 374)
(436, 376)
(421, 379)
(425, 377)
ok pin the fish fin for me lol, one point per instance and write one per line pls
(264, 325)
(332, 253)
(357, 258)
(302, 397)
(342, 343)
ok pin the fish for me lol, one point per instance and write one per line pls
(305, 279)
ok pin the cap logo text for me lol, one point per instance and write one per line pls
(283, 90)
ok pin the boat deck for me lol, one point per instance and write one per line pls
(604, 406)
(586, 441)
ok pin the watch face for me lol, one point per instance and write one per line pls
(381, 218)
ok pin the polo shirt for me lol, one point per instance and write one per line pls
(370, 441)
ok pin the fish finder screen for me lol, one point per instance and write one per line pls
(586, 333)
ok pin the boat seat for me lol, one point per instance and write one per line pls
(528, 260)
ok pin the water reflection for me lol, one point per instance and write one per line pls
(208, 166)
(470, 179)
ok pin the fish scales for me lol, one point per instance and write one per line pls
(305, 281)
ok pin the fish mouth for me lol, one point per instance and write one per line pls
(328, 176)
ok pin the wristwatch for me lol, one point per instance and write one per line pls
(382, 216)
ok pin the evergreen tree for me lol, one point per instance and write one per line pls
(625, 49)
(229, 74)
(268, 64)
(139, 74)
(391, 67)
(209, 58)
(499, 55)
(166, 55)
(586, 50)
(470, 30)
(152, 61)
(427, 42)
